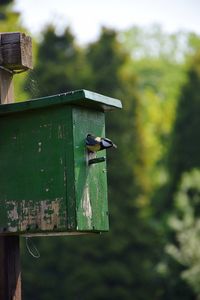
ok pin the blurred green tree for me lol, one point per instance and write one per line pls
(184, 150)
(160, 63)
(185, 222)
(183, 157)
(58, 57)
(6, 2)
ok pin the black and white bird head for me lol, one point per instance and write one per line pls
(94, 144)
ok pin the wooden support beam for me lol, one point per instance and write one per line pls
(15, 51)
(15, 55)
(10, 271)
(6, 87)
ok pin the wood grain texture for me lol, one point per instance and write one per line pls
(10, 272)
(26, 51)
(10, 37)
(6, 87)
(15, 51)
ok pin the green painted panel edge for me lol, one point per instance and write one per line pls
(70, 174)
(79, 97)
(107, 103)
(91, 215)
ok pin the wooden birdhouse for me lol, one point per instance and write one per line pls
(49, 182)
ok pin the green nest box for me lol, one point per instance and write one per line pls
(47, 185)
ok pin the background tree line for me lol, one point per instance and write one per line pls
(153, 177)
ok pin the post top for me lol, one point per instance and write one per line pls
(15, 51)
(79, 97)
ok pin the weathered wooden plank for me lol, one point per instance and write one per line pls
(11, 55)
(26, 51)
(2, 269)
(39, 146)
(15, 51)
(10, 37)
(10, 272)
(6, 87)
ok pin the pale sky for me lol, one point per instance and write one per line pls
(85, 17)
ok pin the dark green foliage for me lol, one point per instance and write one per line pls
(185, 146)
(58, 57)
(185, 249)
(183, 157)
(6, 2)
(106, 58)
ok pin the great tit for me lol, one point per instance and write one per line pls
(94, 144)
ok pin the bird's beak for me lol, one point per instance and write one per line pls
(115, 146)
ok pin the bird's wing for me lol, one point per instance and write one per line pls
(107, 142)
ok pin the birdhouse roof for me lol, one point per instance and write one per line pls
(80, 97)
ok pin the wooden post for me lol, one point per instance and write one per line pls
(10, 270)
(15, 56)
(6, 87)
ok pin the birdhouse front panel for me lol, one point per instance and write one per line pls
(90, 179)
(49, 182)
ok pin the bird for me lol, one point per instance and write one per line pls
(95, 144)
